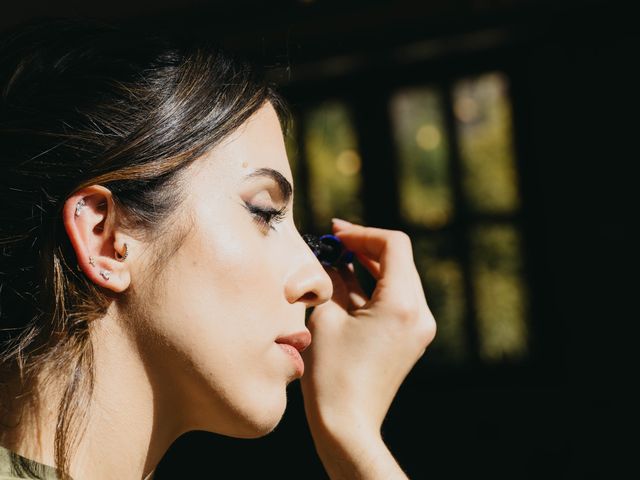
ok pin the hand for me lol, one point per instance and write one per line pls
(363, 348)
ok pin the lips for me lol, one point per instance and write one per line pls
(292, 345)
(300, 340)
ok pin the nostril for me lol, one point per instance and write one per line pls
(309, 297)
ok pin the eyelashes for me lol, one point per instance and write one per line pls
(266, 217)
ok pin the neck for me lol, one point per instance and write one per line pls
(131, 421)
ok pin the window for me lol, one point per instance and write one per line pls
(483, 125)
(333, 161)
(469, 259)
(458, 197)
(423, 155)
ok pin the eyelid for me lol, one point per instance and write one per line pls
(264, 198)
(283, 187)
(275, 215)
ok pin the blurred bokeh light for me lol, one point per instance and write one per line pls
(423, 155)
(484, 125)
(331, 149)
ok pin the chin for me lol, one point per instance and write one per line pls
(258, 421)
(256, 429)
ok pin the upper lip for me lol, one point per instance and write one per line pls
(299, 340)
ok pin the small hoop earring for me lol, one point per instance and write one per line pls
(122, 258)
(105, 273)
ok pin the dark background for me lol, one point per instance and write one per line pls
(574, 91)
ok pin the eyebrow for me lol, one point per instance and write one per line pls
(286, 189)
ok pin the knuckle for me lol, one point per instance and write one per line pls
(406, 310)
(400, 237)
(425, 332)
(429, 329)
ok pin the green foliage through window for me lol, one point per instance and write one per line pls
(423, 156)
(334, 164)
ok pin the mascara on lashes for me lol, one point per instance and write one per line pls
(328, 248)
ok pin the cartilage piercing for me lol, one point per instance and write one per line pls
(79, 206)
(105, 273)
(122, 258)
(92, 261)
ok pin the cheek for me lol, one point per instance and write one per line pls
(216, 285)
(219, 308)
(218, 316)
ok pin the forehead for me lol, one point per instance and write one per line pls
(258, 143)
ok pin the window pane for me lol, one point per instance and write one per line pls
(334, 164)
(443, 284)
(483, 118)
(293, 153)
(500, 295)
(422, 152)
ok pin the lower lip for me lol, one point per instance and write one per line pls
(295, 357)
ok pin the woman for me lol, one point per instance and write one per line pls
(153, 280)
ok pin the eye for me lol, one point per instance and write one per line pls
(266, 217)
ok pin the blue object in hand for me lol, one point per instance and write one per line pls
(329, 249)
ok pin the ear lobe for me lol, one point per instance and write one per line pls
(88, 217)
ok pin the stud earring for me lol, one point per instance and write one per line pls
(79, 206)
(122, 258)
(105, 273)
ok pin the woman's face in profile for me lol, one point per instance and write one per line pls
(233, 288)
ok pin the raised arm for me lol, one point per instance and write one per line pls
(362, 350)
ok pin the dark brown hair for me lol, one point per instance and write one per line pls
(83, 103)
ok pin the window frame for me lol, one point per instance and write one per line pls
(367, 93)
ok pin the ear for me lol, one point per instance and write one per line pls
(89, 219)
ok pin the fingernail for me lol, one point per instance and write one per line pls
(341, 223)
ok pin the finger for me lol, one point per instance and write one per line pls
(340, 291)
(357, 297)
(347, 292)
(372, 266)
(339, 224)
(390, 248)
(393, 251)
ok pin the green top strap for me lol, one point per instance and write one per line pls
(46, 472)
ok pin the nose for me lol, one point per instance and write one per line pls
(308, 281)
